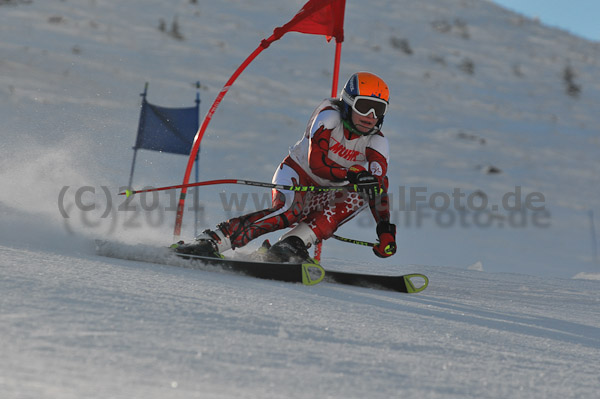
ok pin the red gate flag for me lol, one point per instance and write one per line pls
(318, 17)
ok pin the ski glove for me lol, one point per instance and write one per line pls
(363, 182)
(386, 232)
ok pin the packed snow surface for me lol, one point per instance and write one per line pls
(82, 326)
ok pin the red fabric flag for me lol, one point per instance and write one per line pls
(317, 17)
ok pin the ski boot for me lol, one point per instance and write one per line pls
(209, 243)
(289, 250)
(260, 254)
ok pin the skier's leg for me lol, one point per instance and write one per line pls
(345, 206)
(286, 209)
(322, 215)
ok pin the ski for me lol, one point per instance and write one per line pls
(305, 273)
(406, 283)
(313, 273)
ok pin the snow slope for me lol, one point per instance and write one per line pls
(83, 326)
(473, 87)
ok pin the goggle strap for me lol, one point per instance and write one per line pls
(348, 99)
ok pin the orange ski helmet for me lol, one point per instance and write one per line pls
(364, 93)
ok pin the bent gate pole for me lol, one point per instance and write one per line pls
(296, 24)
(181, 204)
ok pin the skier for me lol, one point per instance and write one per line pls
(342, 145)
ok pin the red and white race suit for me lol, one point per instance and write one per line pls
(322, 157)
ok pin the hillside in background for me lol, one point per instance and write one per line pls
(484, 101)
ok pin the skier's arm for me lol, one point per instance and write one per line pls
(378, 167)
(319, 163)
(386, 232)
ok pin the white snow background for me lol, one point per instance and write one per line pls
(512, 307)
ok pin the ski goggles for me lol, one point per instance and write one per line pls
(364, 105)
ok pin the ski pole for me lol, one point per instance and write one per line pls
(129, 193)
(353, 241)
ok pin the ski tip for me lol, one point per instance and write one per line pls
(421, 282)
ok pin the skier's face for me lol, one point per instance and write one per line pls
(364, 124)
